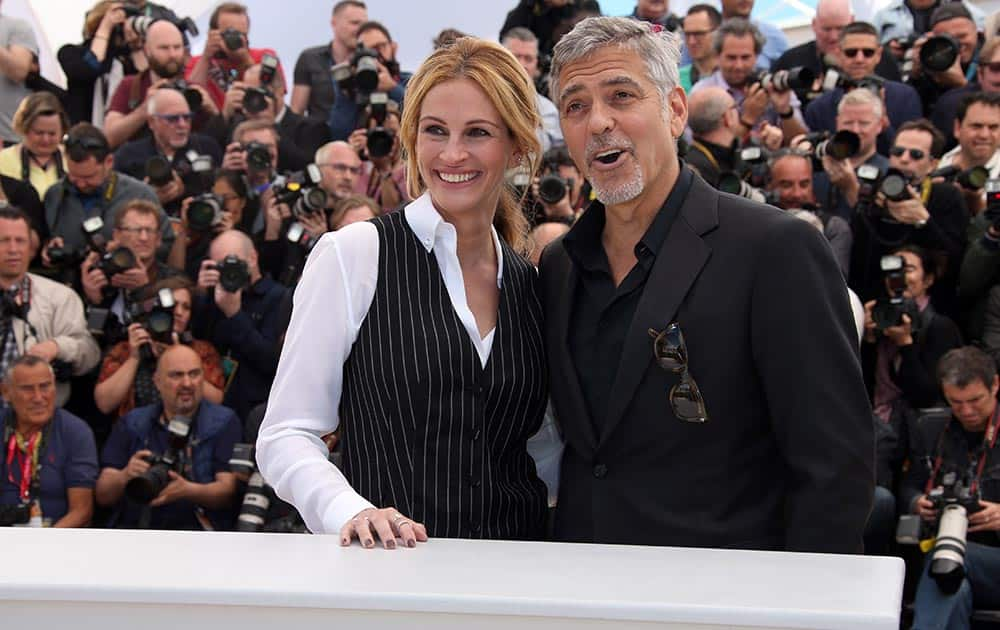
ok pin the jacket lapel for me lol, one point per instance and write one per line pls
(680, 259)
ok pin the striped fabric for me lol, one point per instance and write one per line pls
(425, 427)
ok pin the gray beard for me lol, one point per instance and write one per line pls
(621, 193)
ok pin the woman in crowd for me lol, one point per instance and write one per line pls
(126, 379)
(420, 331)
(383, 172)
(110, 50)
(41, 122)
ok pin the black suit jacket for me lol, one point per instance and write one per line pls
(306, 134)
(786, 460)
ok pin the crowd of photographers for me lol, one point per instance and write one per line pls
(166, 201)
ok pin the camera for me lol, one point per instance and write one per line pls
(67, 258)
(11, 515)
(256, 503)
(798, 78)
(939, 52)
(116, 261)
(232, 38)
(992, 212)
(839, 146)
(972, 178)
(150, 484)
(191, 95)
(732, 183)
(242, 461)
(268, 68)
(298, 235)
(359, 75)
(233, 274)
(954, 501)
(258, 156)
(895, 185)
(379, 140)
(159, 171)
(301, 191)
(157, 317)
(255, 99)
(205, 212)
(889, 310)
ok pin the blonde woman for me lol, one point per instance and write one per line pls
(418, 334)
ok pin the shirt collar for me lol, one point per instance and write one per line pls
(433, 231)
(281, 115)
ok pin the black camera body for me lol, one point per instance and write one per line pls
(889, 310)
(379, 140)
(157, 316)
(359, 75)
(159, 171)
(258, 156)
(232, 38)
(118, 260)
(11, 515)
(256, 99)
(971, 178)
(301, 191)
(205, 212)
(840, 145)
(147, 486)
(234, 274)
(939, 52)
(191, 94)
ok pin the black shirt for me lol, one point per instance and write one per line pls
(602, 312)
(711, 160)
(313, 69)
(131, 158)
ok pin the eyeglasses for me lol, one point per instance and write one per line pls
(138, 231)
(851, 53)
(340, 167)
(672, 355)
(173, 119)
(915, 154)
(79, 148)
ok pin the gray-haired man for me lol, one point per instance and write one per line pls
(701, 346)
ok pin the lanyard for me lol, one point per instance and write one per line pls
(708, 154)
(989, 441)
(26, 452)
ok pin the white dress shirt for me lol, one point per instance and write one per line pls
(331, 302)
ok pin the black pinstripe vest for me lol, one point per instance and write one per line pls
(426, 428)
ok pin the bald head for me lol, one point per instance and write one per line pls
(167, 102)
(830, 19)
(231, 242)
(174, 354)
(179, 378)
(707, 110)
(541, 236)
(163, 31)
(337, 151)
(340, 166)
(165, 49)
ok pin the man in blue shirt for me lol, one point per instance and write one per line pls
(194, 433)
(48, 456)
(775, 45)
(857, 57)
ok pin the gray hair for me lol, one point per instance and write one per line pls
(660, 51)
(25, 360)
(519, 33)
(155, 96)
(738, 27)
(707, 116)
(862, 97)
(960, 367)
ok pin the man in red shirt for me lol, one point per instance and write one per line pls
(227, 52)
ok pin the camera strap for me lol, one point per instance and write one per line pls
(708, 154)
(25, 454)
(989, 441)
(27, 157)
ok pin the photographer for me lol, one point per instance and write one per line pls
(715, 129)
(352, 210)
(164, 158)
(523, 44)
(987, 80)
(699, 27)
(967, 448)
(900, 356)
(258, 151)
(231, 208)
(126, 378)
(954, 21)
(791, 178)
(48, 456)
(351, 97)
(38, 316)
(128, 113)
(383, 173)
(901, 21)
(541, 17)
(977, 127)
(111, 50)
(738, 44)
(137, 228)
(227, 53)
(836, 185)
(927, 214)
(858, 56)
(237, 312)
(558, 174)
(196, 438)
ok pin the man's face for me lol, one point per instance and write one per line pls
(989, 72)
(914, 149)
(651, 9)
(140, 234)
(346, 23)
(861, 120)
(859, 54)
(979, 132)
(698, 35)
(265, 137)
(791, 177)
(617, 128)
(237, 22)
(827, 29)
(737, 8)
(572, 176)
(180, 380)
(964, 31)
(526, 54)
(737, 59)
(32, 394)
(165, 51)
(89, 175)
(15, 248)
(340, 168)
(973, 404)
(376, 40)
(171, 125)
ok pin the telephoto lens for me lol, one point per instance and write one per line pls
(731, 183)
(256, 503)
(366, 71)
(939, 53)
(204, 212)
(150, 484)
(948, 556)
(552, 188)
(799, 78)
(255, 99)
(895, 185)
(972, 178)
(159, 171)
(842, 145)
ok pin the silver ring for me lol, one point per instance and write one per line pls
(399, 522)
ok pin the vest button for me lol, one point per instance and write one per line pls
(600, 471)
(476, 433)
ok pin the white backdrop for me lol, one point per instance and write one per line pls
(288, 26)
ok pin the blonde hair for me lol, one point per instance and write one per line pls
(33, 107)
(505, 83)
